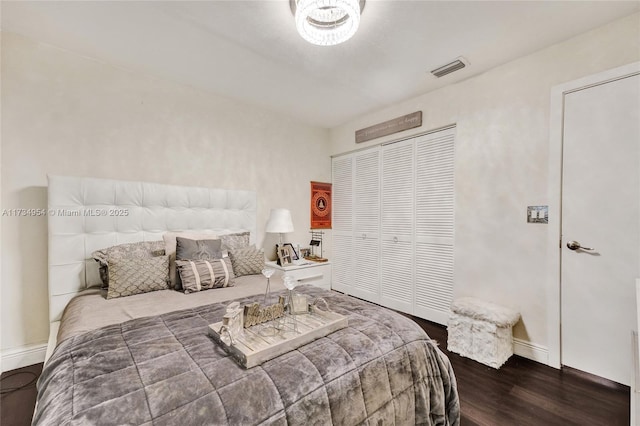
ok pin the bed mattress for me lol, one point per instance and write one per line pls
(90, 309)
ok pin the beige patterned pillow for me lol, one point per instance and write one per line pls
(235, 241)
(247, 260)
(135, 275)
(141, 249)
(197, 275)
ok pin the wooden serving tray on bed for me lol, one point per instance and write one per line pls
(254, 347)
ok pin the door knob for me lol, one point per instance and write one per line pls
(574, 245)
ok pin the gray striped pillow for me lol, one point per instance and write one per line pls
(197, 275)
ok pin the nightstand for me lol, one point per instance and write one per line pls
(316, 273)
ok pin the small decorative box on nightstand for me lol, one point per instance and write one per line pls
(318, 274)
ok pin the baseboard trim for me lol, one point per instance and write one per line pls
(23, 356)
(531, 351)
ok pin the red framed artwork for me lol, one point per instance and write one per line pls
(320, 205)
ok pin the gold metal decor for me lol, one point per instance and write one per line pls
(254, 314)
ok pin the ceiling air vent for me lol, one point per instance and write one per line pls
(456, 65)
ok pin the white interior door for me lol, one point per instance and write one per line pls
(600, 211)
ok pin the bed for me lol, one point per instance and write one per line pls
(148, 358)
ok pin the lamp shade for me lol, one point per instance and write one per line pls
(279, 221)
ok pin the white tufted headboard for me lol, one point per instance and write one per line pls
(87, 214)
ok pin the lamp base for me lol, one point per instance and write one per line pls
(280, 243)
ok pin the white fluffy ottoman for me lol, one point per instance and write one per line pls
(481, 331)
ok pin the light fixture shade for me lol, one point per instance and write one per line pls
(279, 221)
(327, 22)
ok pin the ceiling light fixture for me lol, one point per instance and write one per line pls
(327, 22)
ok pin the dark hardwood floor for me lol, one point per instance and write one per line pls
(521, 393)
(19, 392)
(524, 392)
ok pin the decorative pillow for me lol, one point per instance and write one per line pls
(235, 241)
(170, 243)
(197, 275)
(247, 260)
(135, 275)
(187, 249)
(141, 250)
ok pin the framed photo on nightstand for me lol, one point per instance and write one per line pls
(305, 252)
(294, 253)
(285, 255)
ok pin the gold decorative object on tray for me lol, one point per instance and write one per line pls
(254, 315)
(251, 347)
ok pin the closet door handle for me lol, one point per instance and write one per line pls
(364, 236)
(395, 240)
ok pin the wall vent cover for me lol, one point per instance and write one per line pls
(456, 65)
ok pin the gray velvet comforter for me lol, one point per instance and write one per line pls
(166, 370)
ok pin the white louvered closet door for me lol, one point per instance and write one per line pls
(434, 225)
(393, 224)
(397, 205)
(342, 221)
(366, 236)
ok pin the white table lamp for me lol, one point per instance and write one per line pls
(279, 222)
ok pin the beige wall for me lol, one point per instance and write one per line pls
(502, 145)
(67, 114)
(70, 115)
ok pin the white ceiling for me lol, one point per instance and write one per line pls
(250, 51)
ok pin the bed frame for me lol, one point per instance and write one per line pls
(88, 214)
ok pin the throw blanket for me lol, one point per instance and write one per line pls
(166, 370)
